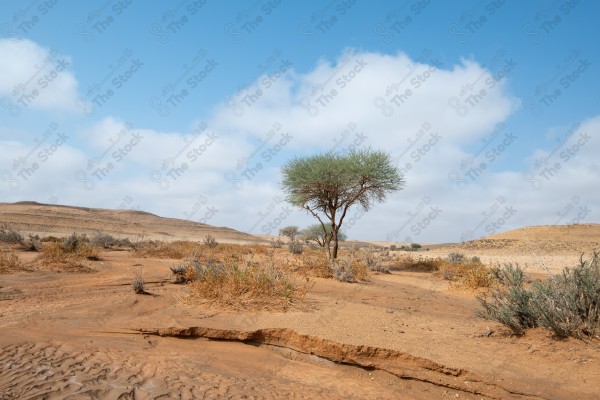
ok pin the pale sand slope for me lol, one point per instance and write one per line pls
(46, 220)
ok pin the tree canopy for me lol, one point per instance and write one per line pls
(327, 185)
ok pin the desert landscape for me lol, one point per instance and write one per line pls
(76, 329)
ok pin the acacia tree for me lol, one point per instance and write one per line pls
(289, 231)
(329, 184)
(314, 233)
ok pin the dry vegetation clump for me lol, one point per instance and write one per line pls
(567, 304)
(240, 286)
(9, 261)
(158, 249)
(68, 255)
(9, 235)
(138, 284)
(462, 272)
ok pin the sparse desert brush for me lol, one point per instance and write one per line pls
(349, 267)
(567, 304)
(103, 240)
(456, 258)
(374, 262)
(9, 235)
(138, 284)
(69, 255)
(295, 247)
(210, 241)
(9, 261)
(32, 243)
(177, 249)
(245, 286)
(419, 264)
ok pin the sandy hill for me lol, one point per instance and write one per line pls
(546, 238)
(58, 220)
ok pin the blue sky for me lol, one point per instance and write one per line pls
(188, 109)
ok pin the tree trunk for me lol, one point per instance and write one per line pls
(334, 234)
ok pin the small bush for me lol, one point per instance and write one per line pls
(68, 255)
(32, 243)
(138, 284)
(9, 235)
(103, 240)
(393, 247)
(8, 262)
(342, 270)
(456, 258)
(210, 242)
(276, 243)
(567, 304)
(186, 272)
(374, 263)
(249, 286)
(295, 247)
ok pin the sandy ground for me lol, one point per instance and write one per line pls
(406, 335)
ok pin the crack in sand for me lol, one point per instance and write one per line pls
(402, 365)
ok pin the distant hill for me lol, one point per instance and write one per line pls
(60, 220)
(546, 238)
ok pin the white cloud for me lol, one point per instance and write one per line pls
(35, 77)
(425, 131)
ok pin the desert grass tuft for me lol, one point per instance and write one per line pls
(68, 255)
(239, 286)
(9, 261)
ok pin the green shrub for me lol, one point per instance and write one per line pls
(567, 304)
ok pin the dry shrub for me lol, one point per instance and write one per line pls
(9, 235)
(462, 272)
(188, 249)
(567, 304)
(420, 264)
(248, 286)
(67, 256)
(159, 249)
(138, 284)
(9, 261)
